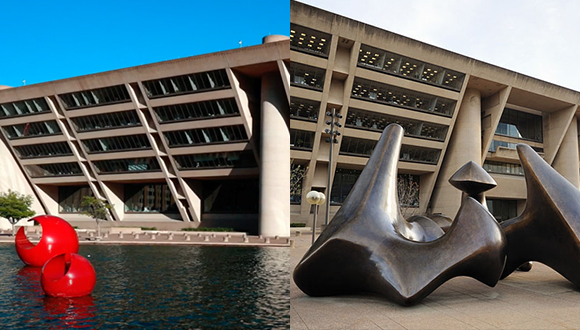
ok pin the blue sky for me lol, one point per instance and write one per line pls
(49, 40)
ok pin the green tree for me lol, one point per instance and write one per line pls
(15, 206)
(95, 208)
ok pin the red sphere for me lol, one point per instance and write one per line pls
(68, 275)
(58, 237)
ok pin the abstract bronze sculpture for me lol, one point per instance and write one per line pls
(548, 230)
(370, 247)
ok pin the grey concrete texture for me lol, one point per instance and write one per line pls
(539, 299)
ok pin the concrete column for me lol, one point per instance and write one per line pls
(275, 156)
(566, 161)
(465, 145)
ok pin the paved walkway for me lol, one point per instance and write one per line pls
(164, 238)
(539, 299)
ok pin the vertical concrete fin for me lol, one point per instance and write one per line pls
(492, 109)
(555, 127)
(239, 85)
(285, 74)
(566, 160)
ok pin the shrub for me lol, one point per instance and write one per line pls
(297, 224)
(148, 228)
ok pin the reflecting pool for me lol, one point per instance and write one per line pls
(156, 287)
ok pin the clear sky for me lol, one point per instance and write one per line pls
(48, 40)
(538, 38)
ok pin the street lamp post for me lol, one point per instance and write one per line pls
(332, 140)
(315, 198)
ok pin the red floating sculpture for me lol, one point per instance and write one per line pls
(68, 275)
(58, 237)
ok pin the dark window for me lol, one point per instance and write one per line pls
(384, 61)
(216, 160)
(419, 154)
(375, 121)
(149, 198)
(306, 76)
(503, 168)
(106, 121)
(304, 109)
(22, 108)
(32, 129)
(127, 165)
(408, 187)
(508, 145)
(502, 209)
(357, 147)
(191, 83)
(231, 196)
(309, 41)
(365, 147)
(399, 97)
(197, 110)
(117, 143)
(205, 135)
(44, 150)
(521, 125)
(301, 140)
(95, 97)
(57, 169)
(71, 197)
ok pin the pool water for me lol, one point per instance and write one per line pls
(156, 287)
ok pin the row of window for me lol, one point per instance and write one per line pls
(32, 129)
(25, 107)
(116, 94)
(503, 168)
(106, 121)
(43, 150)
(197, 110)
(117, 143)
(509, 145)
(306, 76)
(304, 109)
(392, 95)
(206, 135)
(127, 165)
(57, 169)
(137, 198)
(357, 118)
(239, 196)
(364, 147)
(301, 140)
(309, 40)
(189, 83)
(408, 187)
(521, 125)
(95, 97)
(385, 61)
(216, 160)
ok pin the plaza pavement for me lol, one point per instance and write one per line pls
(150, 237)
(539, 299)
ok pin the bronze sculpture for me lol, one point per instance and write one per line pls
(370, 247)
(548, 230)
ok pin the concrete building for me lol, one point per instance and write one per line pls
(453, 108)
(197, 141)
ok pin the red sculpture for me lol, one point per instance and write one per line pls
(68, 275)
(58, 237)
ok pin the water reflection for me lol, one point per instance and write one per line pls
(157, 287)
(70, 313)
